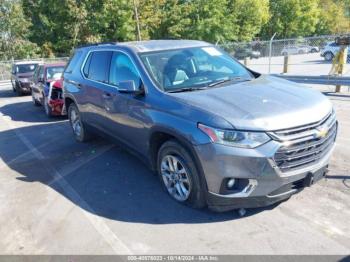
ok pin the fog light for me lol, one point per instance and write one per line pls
(231, 182)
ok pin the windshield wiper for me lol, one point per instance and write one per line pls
(186, 89)
(219, 82)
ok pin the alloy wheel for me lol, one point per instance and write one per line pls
(176, 177)
(75, 122)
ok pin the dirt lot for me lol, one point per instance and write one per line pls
(61, 197)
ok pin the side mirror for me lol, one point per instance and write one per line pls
(130, 87)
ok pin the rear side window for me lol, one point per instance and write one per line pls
(98, 66)
(87, 66)
(73, 61)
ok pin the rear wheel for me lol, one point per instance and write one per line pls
(179, 175)
(81, 133)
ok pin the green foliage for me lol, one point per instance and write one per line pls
(292, 18)
(336, 19)
(52, 28)
(249, 16)
(14, 32)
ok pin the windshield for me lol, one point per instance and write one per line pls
(192, 67)
(27, 68)
(54, 73)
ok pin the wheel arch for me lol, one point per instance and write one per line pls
(68, 100)
(159, 136)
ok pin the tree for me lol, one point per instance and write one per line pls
(14, 30)
(249, 16)
(292, 18)
(334, 18)
(111, 20)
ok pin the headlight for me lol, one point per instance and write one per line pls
(246, 139)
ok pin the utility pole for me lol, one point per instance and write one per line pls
(137, 22)
(270, 51)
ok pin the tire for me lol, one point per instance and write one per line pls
(35, 102)
(328, 56)
(19, 91)
(47, 108)
(181, 179)
(80, 132)
(13, 87)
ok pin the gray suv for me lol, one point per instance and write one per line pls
(216, 133)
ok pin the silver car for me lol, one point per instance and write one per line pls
(216, 133)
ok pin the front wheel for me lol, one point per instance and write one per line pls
(80, 132)
(35, 102)
(179, 175)
(19, 91)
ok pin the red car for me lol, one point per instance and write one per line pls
(47, 88)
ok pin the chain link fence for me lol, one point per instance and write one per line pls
(306, 56)
(5, 66)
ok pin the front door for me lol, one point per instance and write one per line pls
(126, 116)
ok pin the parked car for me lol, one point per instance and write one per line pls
(21, 76)
(217, 133)
(47, 90)
(330, 50)
(241, 53)
(293, 50)
(311, 49)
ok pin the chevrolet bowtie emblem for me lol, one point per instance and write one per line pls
(321, 131)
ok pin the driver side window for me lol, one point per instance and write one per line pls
(122, 69)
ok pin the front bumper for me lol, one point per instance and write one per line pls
(57, 107)
(25, 86)
(268, 185)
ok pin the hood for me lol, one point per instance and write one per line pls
(266, 103)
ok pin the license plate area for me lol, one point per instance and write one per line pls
(312, 178)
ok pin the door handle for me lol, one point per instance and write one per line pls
(107, 95)
(77, 84)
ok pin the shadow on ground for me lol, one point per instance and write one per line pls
(115, 184)
(27, 112)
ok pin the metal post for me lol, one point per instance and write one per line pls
(246, 61)
(270, 51)
(341, 64)
(285, 64)
(137, 22)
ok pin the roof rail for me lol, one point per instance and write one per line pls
(97, 44)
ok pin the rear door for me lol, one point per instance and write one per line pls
(95, 71)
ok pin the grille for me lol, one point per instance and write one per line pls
(306, 145)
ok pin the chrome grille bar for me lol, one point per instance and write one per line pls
(305, 146)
